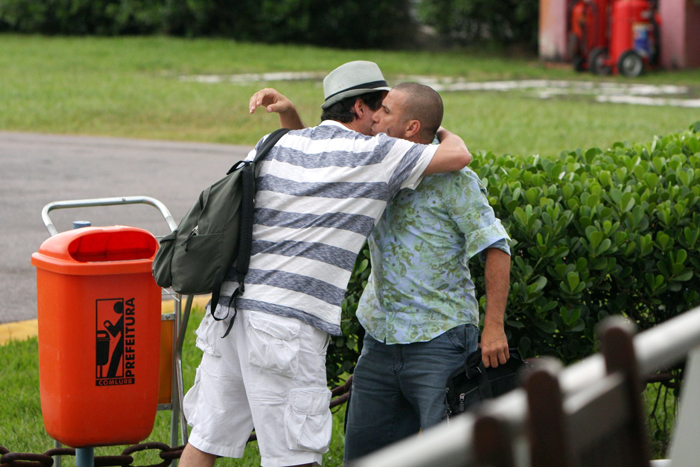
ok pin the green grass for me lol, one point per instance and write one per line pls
(662, 409)
(20, 423)
(131, 87)
(21, 426)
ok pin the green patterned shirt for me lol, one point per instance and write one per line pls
(420, 286)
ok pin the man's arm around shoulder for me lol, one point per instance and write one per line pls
(451, 155)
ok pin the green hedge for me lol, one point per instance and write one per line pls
(594, 233)
(344, 23)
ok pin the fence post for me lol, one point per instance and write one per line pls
(685, 438)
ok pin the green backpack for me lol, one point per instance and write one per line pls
(215, 234)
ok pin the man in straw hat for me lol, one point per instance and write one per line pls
(321, 190)
(419, 307)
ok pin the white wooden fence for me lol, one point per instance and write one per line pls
(462, 440)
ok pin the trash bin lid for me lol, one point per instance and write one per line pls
(97, 251)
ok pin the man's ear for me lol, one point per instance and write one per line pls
(412, 128)
(359, 108)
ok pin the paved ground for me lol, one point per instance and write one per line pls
(38, 169)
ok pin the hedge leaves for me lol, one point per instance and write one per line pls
(594, 233)
(597, 233)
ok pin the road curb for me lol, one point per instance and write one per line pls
(23, 330)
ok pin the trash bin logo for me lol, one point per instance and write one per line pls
(115, 355)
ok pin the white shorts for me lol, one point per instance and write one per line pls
(269, 373)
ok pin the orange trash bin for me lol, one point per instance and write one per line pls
(99, 335)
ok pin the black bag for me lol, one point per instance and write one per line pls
(214, 234)
(472, 383)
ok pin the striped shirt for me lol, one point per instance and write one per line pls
(321, 191)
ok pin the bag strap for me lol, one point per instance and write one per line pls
(269, 143)
(245, 238)
(514, 363)
(216, 293)
(474, 369)
(484, 383)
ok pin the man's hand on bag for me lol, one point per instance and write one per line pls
(271, 99)
(494, 346)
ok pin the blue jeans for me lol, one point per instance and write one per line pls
(399, 389)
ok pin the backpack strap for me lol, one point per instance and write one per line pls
(245, 242)
(245, 239)
(269, 143)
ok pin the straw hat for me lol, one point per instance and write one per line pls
(352, 79)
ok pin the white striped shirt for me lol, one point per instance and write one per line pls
(321, 191)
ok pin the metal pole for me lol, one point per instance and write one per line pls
(85, 203)
(85, 457)
(174, 391)
(178, 359)
(57, 458)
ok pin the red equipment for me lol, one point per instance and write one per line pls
(634, 40)
(589, 30)
(614, 36)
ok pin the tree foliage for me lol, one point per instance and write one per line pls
(345, 24)
(470, 22)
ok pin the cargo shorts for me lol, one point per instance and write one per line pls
(268, 374)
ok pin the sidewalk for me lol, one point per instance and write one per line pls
(22, 330)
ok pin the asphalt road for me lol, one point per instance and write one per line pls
(38, 169)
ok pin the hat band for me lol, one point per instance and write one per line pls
(373, 84)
